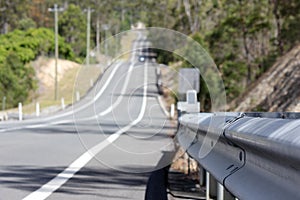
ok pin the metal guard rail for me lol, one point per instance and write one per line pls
(256, 156)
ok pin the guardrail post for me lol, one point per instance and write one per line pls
(207, 186)
(202, 174)
(220, 195)
(224, 194)
(62, 103)
(20, 112)
(37, 109)
(211, 186)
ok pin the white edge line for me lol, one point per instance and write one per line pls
(95, 98)
(69, 112)
(76, 110)
(47, 189)
(167, 113)
(117, 102)
(106, 83)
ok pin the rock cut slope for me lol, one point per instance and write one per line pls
(278, 90)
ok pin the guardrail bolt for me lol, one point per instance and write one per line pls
(241, 156)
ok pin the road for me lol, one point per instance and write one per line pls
(104, 147)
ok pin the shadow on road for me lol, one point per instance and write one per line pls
(88, 181)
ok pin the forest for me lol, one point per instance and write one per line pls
(244, 37)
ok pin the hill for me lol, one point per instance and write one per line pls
(45, 69)
(277, 90)
(45, 73)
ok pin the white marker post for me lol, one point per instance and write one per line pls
(77, 96)
(91, 82)
(172, 112)
(37, 109)
(63, 103)
(20, 112)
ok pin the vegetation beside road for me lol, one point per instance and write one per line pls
(243, 37)
(18, 48)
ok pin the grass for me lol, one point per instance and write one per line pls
(47, 97)
(126, 44)
(78, 78)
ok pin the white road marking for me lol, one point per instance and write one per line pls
(95, 98)
(167, 113)
(110, 108)
(117, 102)
(46, 190)
(82, 107)
(104, 86)
(69, 112)
(73, 111)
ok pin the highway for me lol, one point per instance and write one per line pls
(103, 147)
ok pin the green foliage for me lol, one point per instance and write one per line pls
(200, 60)
(11, 13)
(158, 40)
(32, 43)
(289, 12)
(3, 53)
(17, 80)
(241, 44)
(17, 49)
(72, 25)
(26, 23)
(244, 37)
(233, 74)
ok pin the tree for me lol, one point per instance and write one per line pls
(38, 12)
(26, 23)
(288, 18)
(29, 44)
(17, 49)
(72, 26)
(192, 14)
(17, 80)
(241, 42)
(10, 12)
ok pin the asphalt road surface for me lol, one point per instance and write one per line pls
(104, 147)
